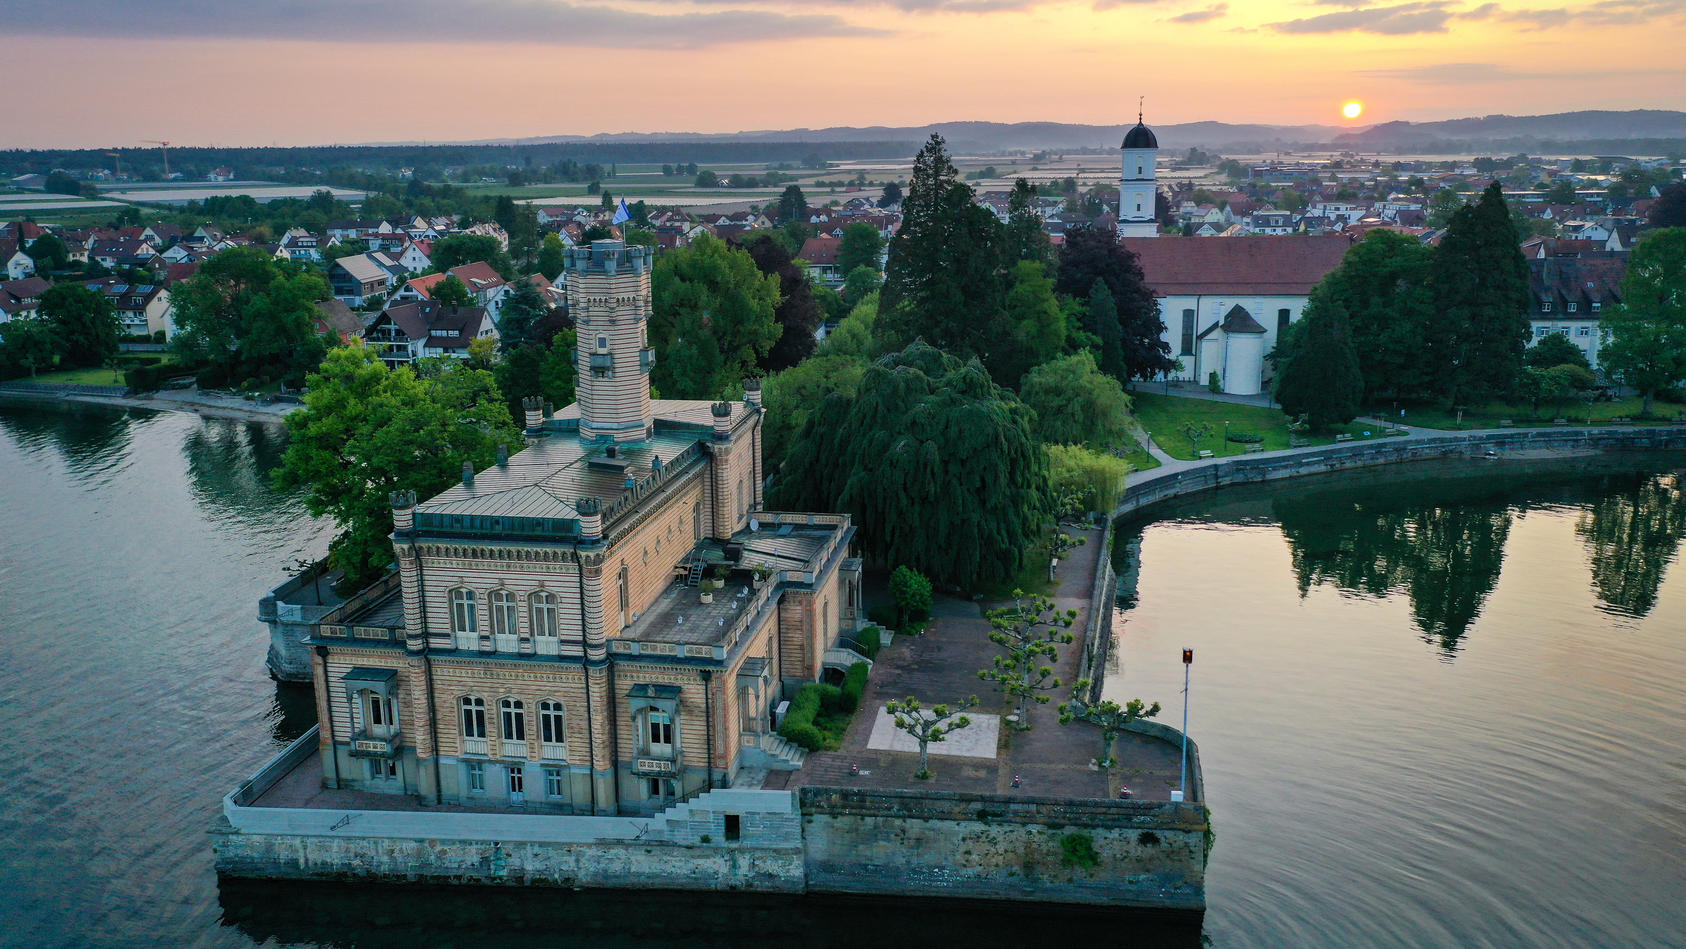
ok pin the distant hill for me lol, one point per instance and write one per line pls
(1499, 132)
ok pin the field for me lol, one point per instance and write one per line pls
(1164, 416)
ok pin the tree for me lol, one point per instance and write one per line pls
(943, 283)
(29, 346)
(1075, 403)
(452, 252)
(552, 260)
(1110, 717)
(1481, 299)
(1029, 634)
(1555, 350)
(935, 462)
(450, 292)
(929, 725)
(1442, 205)
(793, 206)
(48, 252)
(367, 431)
(714, 318)
(1102, 321)
(912, 594)
(853, 336)
(1669, 210)
(1026, 238)
(1562, 192)
(861, 246)
(1647, 346)
(1321, 380)
(538, 368)
(522, 311)
(60, 183)
(1031, 329)
(707, 179)
(1090, 255)
(83, 323)
(860, 283)
(798, 314)
(892, 195)
(1194, 432)
(791, 395)
(1088, 480)
(1385, 285)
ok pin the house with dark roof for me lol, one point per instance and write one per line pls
(409, 331)
(142, 308)
(20, 299)
(356, 278)
(1200, 284)
(820, 254)
(1569, 295)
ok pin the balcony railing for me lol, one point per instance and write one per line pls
(551, 751)
(513, 749)
(657, 764)
(476, 746)
(369, 745)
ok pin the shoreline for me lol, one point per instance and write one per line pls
(192, 402)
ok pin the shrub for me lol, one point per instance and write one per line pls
(1078, 850)
(1213, 384)
(1244, 438)
(912, 593)
(854, 683)
(798, 726)
(884, 614)
(149, 378)
(1093, 479)
(871, 640)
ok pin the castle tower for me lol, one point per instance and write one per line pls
(1138, 184)
(609, 296)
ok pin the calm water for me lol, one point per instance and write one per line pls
(1441, 709)
(1452, 718)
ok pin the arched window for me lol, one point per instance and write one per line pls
(513, 717)
(550, 723)
(506, 617)
(464, 620)
(543, 606)
(473, 716)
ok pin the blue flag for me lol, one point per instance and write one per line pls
(622, 215)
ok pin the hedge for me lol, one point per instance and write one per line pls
(884, 614)
(871, 640)
(798, 725)
(854, 683)
(151, 378)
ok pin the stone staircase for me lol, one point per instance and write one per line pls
(786, 756)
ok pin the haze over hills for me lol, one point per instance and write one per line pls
(1494, 131)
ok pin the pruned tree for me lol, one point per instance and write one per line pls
(1110, 717)
(1029, 633)
(926, 725)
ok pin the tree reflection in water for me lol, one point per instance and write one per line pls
(1632, 535)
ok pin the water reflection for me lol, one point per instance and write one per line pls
(402, 917)
(92, 440)
(1632, 535)
(1446, 560)
(229, 464)
(294, 711)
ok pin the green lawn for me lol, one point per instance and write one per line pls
(91, 376)
(1163, 416)
(1140, 459)
(1490, 414)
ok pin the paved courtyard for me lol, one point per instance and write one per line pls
(942, 666)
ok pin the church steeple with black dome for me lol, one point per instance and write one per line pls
(1138, 184)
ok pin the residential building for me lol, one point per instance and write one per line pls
(142, 309)
(406, 332)
(820, 254)
(356, 278)
(1569, 295)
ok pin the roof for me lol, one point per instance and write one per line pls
(441, 325)
(363, 268)
(339, 318)
(478, 276)
(1140, 137)
(424, 285)
(1251, 265)
(1238, 320)
(820, 250)
(1564, 280)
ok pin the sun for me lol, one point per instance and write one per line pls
(1353, 109)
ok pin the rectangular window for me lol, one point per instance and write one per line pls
(514, 720)
(660, 732)
(1573, 306)
(473, 717)
(544, 615)
(734, 826)
(517, 780)
(477, 776)
(463, 618)
(1541, 332)
(656, 787)
(1188, 333)
(506, 619)
(1545, 307)
(1281, 322)
(555, 785)
(1584, 331)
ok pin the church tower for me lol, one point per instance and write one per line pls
(609, 296)
(1138, 185)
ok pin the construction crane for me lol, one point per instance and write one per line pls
(119, 162)
(165, 148)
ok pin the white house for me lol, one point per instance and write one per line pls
(1201, 284)
(1569, 295)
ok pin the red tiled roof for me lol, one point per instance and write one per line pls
(820, 250)
(477, 276)
(1259, 264)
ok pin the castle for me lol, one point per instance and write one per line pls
(550, 640)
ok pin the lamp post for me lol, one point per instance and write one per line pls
(1226, 435)
(1182, 783)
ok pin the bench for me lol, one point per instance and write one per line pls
(1205, 453)
(1249, 449)
(1624, 420)
(1343, 438)
(1506, 423)
(1560, 421)
(1298, 441)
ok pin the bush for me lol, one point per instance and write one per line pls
(854, 683)
(1094, 479)
(1244, 438)
(150, 378)
(912, 593)
(884, 614)
(798, 726)
(871, 640)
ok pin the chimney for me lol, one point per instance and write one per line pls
(752, 391)
(722, 420)
(531, 406)
(468, 474)
(403, 511)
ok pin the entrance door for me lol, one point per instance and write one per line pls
(517, 784)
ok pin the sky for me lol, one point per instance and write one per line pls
(91, 73)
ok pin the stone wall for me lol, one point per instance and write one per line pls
(985, 846)
(1148, 489)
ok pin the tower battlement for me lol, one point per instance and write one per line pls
(609, 297)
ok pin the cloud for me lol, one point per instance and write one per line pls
(1603, 13)
(1212, 12)
(1463, 74)
(1435, 16)
(548, 22)
(1398, 20)
(1112, 4)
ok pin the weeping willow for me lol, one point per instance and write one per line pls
(935, 463)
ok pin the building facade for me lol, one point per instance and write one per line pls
(550, 640)
(1138, 183)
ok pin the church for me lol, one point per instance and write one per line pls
(602, 622)
(1224, 301)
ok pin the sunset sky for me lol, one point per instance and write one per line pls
(289, 72)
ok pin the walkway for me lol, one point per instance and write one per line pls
(942, 666)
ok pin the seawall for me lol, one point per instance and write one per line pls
(1151, 487)
(890, 843)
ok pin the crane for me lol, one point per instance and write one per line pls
(119, 162)
(165, 148)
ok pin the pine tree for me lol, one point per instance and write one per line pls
(1481, 300)
(1026, 239)
(1102, 320)
(1321, 379)
(1090, 255)
(520, 315)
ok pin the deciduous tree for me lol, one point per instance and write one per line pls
(1321, 380)
(861, 246)
(1647, 346)
(1090, 255)
(927, 725)
(1110, 717)
(714, 318)
(1029, 634)
(798, 314)
(83, 323)
(1075, 403)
